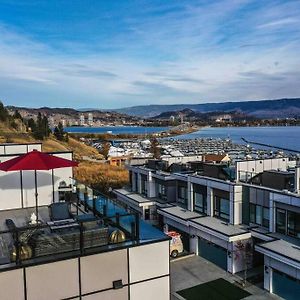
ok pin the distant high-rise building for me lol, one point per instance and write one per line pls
(90, 119)
(82, 120)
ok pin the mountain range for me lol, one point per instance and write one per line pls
(280, 108)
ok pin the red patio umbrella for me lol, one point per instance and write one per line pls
(34, 161)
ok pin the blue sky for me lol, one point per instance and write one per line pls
(109, 54)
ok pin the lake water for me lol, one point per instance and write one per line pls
(116, 129)
(284, 136)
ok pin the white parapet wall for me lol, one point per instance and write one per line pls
(256, 166)
(17, 188)
(143, 273)
(11, 148)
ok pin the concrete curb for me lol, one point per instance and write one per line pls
(182, 257)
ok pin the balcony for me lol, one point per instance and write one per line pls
(84, 222)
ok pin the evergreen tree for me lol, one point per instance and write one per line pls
(17, 115)
(40, 129)
(59, 133)
(31, 124)
(3, 113)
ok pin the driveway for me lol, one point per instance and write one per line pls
(191, 271)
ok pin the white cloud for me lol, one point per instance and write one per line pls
(220, 51)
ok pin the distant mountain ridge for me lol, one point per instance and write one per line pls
(280, 108)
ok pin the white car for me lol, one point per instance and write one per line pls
(176, 245)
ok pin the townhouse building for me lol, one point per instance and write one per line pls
(242, 215)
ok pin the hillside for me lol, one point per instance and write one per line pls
(92, 169)
(280, 108)
(72, 115)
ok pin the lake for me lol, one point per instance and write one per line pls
(116, 129)
(281, 136)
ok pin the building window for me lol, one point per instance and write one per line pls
(182, 195)
(252, 213)
(130, 180)
(161, 191)
(266, 217)
(222, 208)
(288, 222)
(293, 224)
(200, 203)
(136, 182)
(259, 215)
(147, 214)
(144, 187)
(280, 220)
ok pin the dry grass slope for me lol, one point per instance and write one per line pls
(96, 173)
(101, 176)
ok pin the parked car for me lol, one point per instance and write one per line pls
(176, 245)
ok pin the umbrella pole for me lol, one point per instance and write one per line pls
(36, 197)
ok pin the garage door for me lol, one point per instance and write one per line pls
(285, 286)
(213, 253)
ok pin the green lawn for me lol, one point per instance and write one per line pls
(214, 290)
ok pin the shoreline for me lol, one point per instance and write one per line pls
(172, 132)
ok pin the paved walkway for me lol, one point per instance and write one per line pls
(191, 271)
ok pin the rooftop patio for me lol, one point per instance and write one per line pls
(83, 222)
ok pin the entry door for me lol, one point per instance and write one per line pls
(285, 286)
(213, 253)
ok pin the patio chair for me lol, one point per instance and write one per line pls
(59, 211)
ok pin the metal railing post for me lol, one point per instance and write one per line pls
(17, 246)
(94, 205)
(137, 226)
(118, 219)
(104, 210)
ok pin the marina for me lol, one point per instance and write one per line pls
(238, 143)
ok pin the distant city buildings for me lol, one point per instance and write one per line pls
(82, 120)
(90, 119)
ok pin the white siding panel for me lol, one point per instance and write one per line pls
(56, 280)
(34, 147)
(10, 183)
(11, 283)
(99, 271)
(28, 189)
(45, 191)
(157, 289)
(121, 294)
(15, 149)
(149, 261)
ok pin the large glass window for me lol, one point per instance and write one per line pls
(161, 191)
(252, 213)
(182, 195)
(266, 217)
(280, 220)
(144, 187)
(222, 208)
(136, 182)
(293, 224)
(259, 215)
(200, 203)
